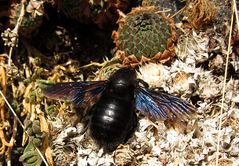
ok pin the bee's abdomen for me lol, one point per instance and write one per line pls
(113, 120)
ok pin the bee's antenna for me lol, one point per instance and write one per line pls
(21, 124)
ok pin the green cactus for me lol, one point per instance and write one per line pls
(30, 156)
(144, 33)
(34, 131)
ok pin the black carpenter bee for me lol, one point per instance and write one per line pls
(113, 117)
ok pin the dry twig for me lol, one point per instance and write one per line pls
(224, 87)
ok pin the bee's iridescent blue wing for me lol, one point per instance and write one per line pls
(76, 92)
(161, 105)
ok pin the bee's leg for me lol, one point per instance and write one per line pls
(133, 126)
(86, 120)
(86, 123)
(145, 84)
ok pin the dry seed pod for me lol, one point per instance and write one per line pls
(144, 35)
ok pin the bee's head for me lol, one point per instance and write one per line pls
(123, 80)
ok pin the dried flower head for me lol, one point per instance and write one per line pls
(10, 37)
